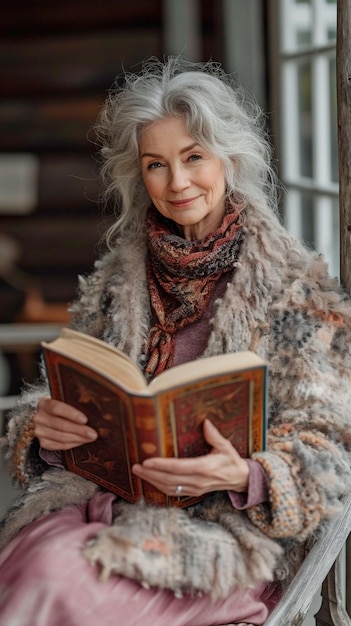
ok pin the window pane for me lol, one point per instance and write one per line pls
(326, 230)
(309, 124)
(317, 221)
(303, 38)
(333, 122)
(307, 219)
(305, 118)
(297, 24)
(326, 21)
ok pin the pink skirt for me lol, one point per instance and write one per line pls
(46, 581)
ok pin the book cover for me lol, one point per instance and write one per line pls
(137, 424)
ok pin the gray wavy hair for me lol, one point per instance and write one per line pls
(218, 115)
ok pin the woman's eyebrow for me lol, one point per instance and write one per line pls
(159, 156)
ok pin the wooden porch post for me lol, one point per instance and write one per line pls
(343, 73)
(343, 76)
(331, 611)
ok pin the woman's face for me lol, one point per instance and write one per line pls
(185, 182)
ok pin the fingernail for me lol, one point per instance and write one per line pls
(91, 434)
(148, 463)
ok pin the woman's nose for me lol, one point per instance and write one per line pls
(179, 179)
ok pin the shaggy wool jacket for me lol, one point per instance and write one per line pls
(281, 304)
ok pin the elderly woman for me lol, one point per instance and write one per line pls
(198, 265)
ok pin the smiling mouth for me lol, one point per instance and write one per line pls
(182, 203)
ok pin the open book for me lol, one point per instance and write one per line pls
(136, 420)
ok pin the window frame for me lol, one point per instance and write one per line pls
(310, 202)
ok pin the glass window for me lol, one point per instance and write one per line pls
(308, 114)
(304, 116)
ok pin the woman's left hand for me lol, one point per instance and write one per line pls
(222, 469)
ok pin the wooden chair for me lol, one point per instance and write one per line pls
(321, 568)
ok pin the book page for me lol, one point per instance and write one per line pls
(100, 357)
(203, 368)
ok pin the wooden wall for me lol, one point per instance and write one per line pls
(58, 59)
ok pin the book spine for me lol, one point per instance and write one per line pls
(149, 441)
(156, 438)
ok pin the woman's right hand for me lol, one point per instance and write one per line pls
(59, 426)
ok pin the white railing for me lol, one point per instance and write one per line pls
(21, 338)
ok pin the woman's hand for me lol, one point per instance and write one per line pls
(59, 426)
(222, 469)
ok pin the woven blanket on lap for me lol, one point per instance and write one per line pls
(204, 549)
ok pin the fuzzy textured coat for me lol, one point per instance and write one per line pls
(281, 304)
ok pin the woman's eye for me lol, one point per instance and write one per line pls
(195, 157)
(155, 165)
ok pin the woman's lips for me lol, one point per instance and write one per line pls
(183, 203)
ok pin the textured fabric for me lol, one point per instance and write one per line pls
(63, 590)
(181, 278)
(257, 491)
(203, 548)
(191, 341)
(280, 303)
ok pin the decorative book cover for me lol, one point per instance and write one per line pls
(134, 425)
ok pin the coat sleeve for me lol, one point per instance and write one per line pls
(20, 447)
(307, 461)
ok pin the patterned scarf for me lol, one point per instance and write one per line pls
(181, 278)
